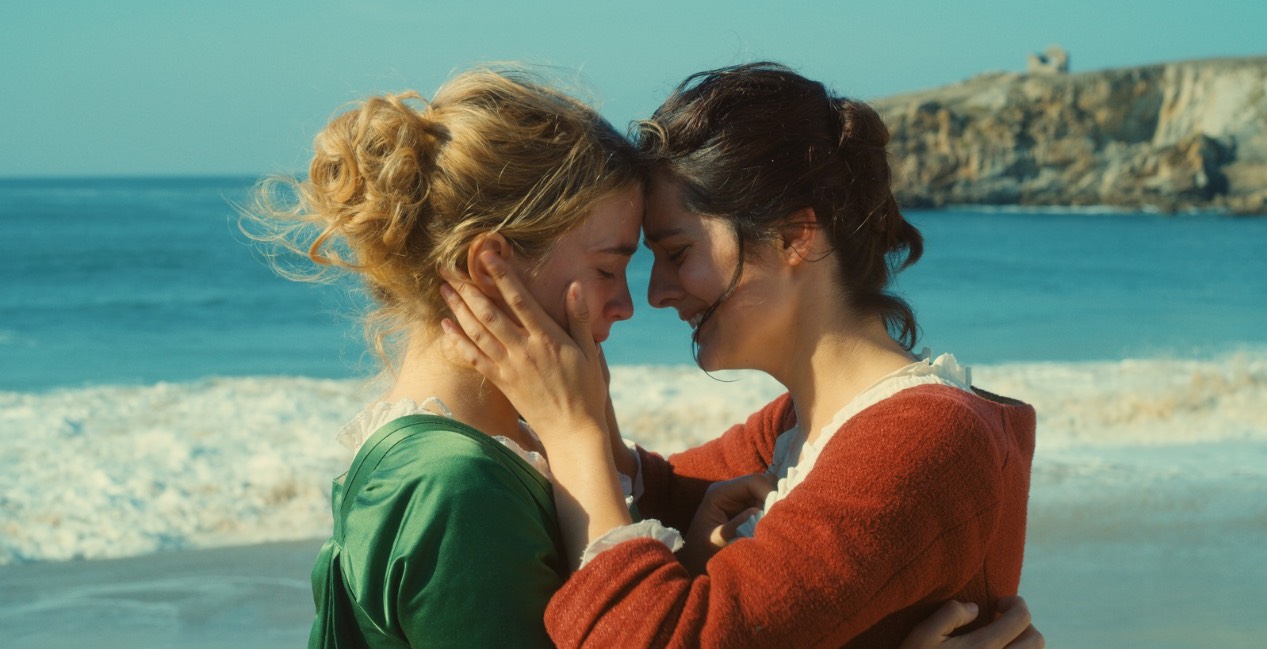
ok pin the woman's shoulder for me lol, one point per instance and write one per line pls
(934, 400)
(939, 417)
(447, 455)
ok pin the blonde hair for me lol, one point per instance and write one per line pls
(399, 187)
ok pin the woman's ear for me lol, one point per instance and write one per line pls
(492, 242)
(799, 235)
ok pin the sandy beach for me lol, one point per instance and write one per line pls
(1127, 569)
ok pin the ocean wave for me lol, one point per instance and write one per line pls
(115, 471)
(1140, 402)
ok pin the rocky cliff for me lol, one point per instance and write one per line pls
(1174, 136)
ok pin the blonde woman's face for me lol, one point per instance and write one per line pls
(594, 254)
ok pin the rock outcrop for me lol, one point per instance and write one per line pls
(1174, 136)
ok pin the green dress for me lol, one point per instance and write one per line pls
(443, 537)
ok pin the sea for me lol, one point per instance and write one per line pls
(164, 391)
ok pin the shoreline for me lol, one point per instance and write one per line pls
(1097, 573)
(242, 596)
(1127, 547)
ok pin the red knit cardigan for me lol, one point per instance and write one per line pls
(917, 499)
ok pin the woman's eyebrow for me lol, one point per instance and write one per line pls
(621, 250)
(655, 236)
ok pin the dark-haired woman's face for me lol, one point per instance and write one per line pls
(695, 260)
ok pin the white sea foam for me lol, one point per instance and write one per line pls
(1139, 402)
(115, 471)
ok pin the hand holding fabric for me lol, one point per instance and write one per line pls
(1011, 630)
(725, 507)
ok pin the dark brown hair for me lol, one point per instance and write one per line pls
(751, 144)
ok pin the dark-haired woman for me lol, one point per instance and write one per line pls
(880, 485)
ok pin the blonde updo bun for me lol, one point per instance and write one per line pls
(398, 187)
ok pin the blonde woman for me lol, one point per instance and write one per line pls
(445, 530)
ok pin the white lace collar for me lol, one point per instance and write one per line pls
(354, 434)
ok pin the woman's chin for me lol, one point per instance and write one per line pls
(709, 360)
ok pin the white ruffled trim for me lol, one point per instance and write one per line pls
(644, 529)
(537, 460)
(632, 488)
(354, 434)
(795, 456)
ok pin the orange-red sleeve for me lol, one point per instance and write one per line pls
(674, 487)
(899, 512)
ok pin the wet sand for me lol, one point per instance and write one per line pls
(1157, 547)
(1092, 594)
(246, 597)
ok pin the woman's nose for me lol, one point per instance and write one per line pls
(663, 287)
(622, 307)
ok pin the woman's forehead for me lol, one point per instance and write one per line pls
(612, 226)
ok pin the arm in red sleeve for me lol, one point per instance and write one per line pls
(673, 488)
(899, 511)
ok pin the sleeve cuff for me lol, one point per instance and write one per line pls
(647, 528)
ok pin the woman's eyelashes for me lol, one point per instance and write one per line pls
(672, 251)
(676, 255)
(609, 271)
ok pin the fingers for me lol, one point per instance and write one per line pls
(727, 532)
(1006, 631)
(951, 616)
(1030, 638)
(459, 343)
(1014, 622)
(602, 359)
(479, 331)
(579, 321)
(521, 303)
(483, 320)
(1011, 630)
(933, 631)
(1013, 619)
(759, 485)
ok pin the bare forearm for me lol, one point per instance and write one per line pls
(622, 456)
(586, 492)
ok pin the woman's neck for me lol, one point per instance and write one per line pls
(428, 370)
(835, 364)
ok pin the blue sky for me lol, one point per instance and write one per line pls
(178, 87)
